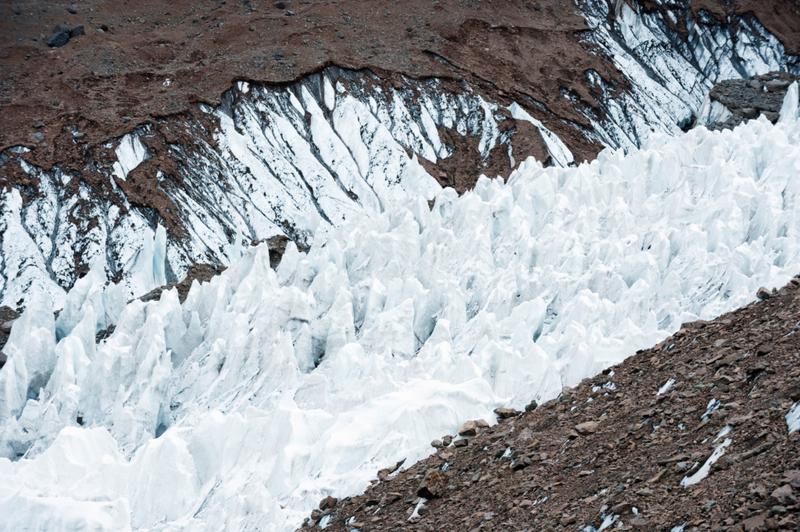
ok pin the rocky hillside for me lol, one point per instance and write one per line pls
(697, 433)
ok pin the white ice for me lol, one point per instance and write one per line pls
(267, 390)
(667, 385)
(130, 153)
(702, 473)
(793, 418)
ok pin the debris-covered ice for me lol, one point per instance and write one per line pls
(267, 390)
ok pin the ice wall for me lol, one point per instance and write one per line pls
(269, 389)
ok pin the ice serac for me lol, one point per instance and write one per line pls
(267, 390)
(791, 102)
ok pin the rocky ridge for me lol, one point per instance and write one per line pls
(689, 435)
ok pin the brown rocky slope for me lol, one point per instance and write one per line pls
(109, 78)
(618, 446)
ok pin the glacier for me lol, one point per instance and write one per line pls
(267, 390)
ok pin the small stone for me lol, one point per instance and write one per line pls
(58, 39)
(518, 464)
(433, 484)
(589, 427)
(126, 119)
(16, 10)
(290, 13)
(504, 413)
(437, 444)
(78, 135)
(777, 85)
(38, 137)
(749, 113)
(763, 293)
(461, 443)
(725, 462)
(755, 522)
(778, 510)
(328, 502)
(72, 10)
(409, 29)
(447, 440)
(390, 498)
(279, 5)
(252, 28)
(639, 522)
(533, 405)
(340, 34)
(566, 521)
(77, 32)
(783, 495)
(772, 117)
(621, 508)
(469, 428)
(763, 350)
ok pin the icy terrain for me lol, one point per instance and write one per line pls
(269, 389)
(280, 161)
(670, 75)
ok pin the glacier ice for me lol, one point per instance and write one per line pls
(670, 75)
(130, 153)
(267, 390)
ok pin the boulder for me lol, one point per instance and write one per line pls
(589, 427)
(505, 413)
(328, 502)
(58, 39)
(433, 484)
(469, 428)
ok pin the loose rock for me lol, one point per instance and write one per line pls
(433, 484)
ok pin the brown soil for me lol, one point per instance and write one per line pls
(106, 84)
(601, 449)
(201, 273)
